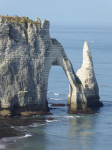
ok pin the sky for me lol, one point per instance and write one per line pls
(60, 11)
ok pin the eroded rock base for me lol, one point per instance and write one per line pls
(95, 104)
(93, 101)
(25, 111)
(68, 100)
(84, 111)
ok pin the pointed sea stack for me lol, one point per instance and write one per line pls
(87, 76)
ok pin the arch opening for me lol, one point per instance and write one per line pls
(58, 86)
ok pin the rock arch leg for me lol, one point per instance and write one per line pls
(77, 96)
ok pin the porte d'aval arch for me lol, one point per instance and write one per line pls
(27, 53)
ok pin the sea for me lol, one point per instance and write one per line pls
(67, 131)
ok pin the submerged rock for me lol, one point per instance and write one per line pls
(58, 104)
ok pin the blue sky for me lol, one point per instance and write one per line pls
(60, 11)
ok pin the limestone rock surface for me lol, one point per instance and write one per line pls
(27, 53)
(87, 76)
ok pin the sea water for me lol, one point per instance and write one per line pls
(74, 132)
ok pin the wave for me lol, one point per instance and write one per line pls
(58, 118)
(69, 117)
(51, 120)
(8, 140)
(91, 41)
(49, 105)
(34, 125)
(2, 146)
(22, 127)
(13, 139)
(48, 91)
(56, 94)
(79, 116)
(27, 135)
(56, 99)
(72, 117)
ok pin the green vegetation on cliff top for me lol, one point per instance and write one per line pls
(16, 19)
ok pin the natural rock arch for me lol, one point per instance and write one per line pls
(58, 57)
(27, 54)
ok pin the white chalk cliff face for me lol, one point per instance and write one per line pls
(87, 76)
(26, 55)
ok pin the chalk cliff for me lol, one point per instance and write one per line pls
(26, 55)
(87, 76)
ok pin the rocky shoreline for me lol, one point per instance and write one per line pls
(7, 126)
(7, 123)
(6, 113)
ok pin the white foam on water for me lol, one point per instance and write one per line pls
(5, 139)
(2, 146)
(56, 116)
(13, 139)
(49, 104)
(78, 116)
(34, 125)
(69, 116)
(22, 127)
(56, 99)
(8, 140)
(48, 91)
(72, 117)
(27, 135)
(56, 94)
(51, 120)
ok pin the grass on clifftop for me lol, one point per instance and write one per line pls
(16, 19)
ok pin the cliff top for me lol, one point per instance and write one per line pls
(16, 19)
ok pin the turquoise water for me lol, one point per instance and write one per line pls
(69, 132)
